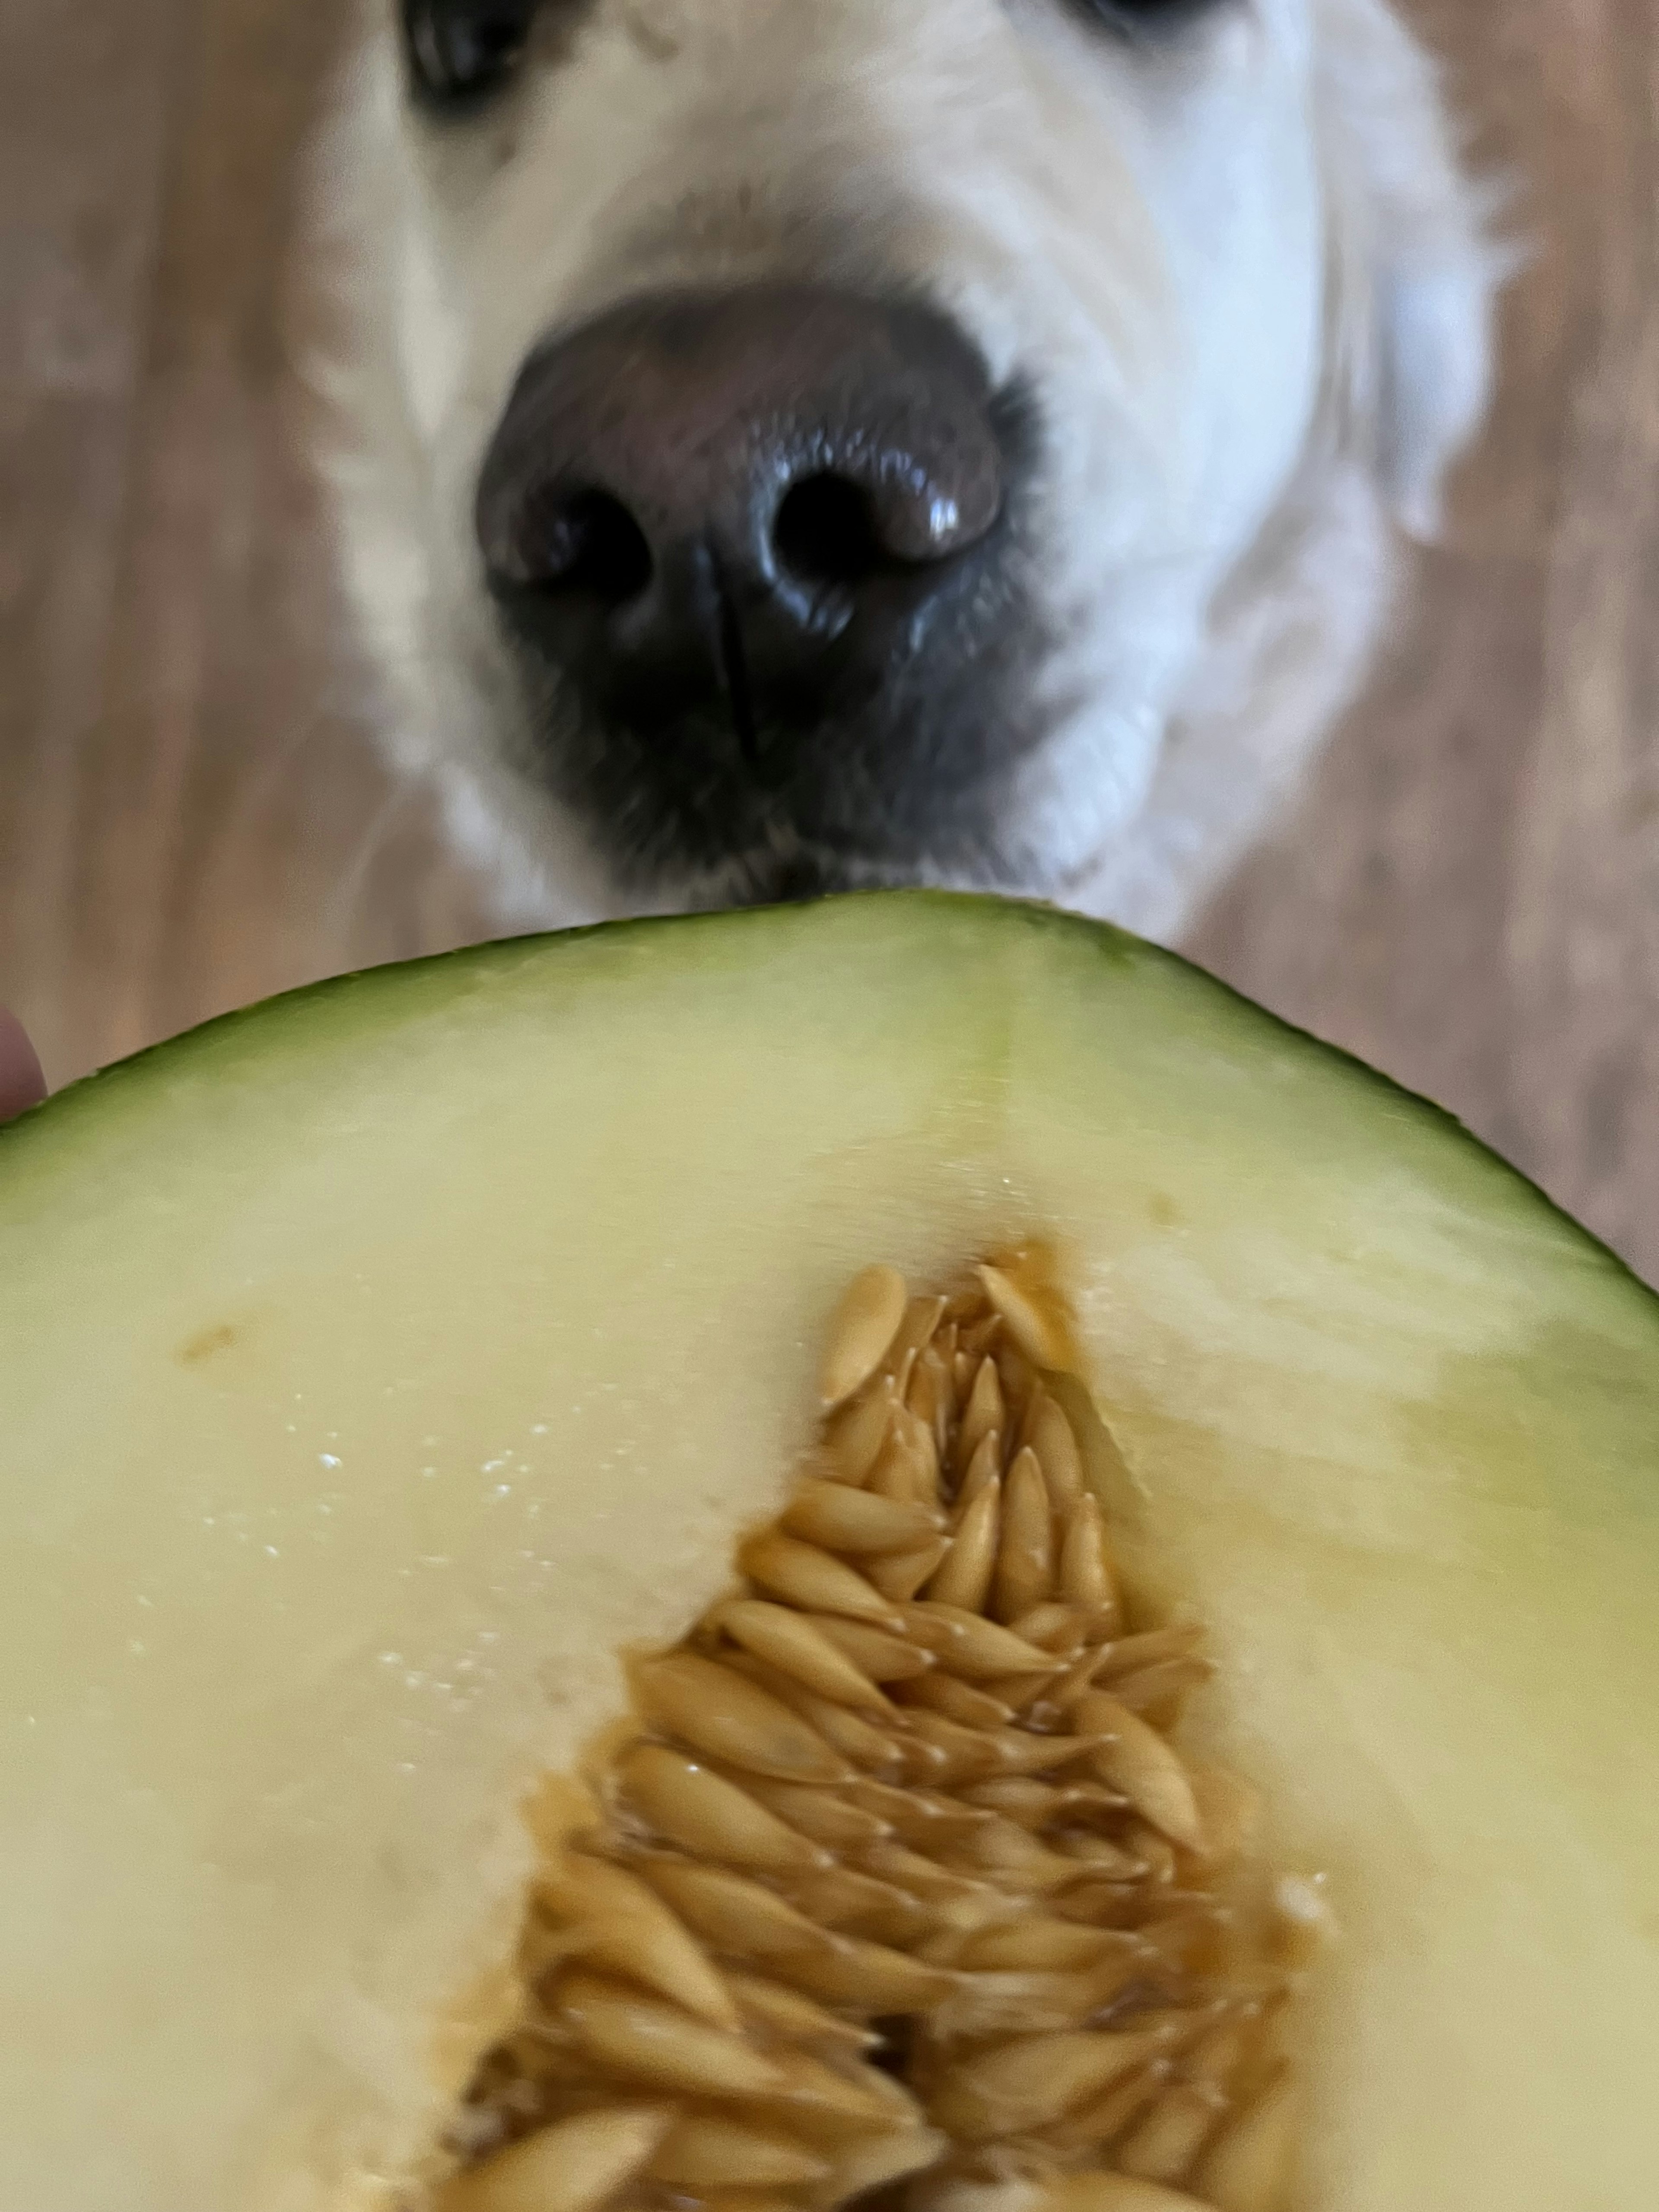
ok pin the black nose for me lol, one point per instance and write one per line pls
(739, 501)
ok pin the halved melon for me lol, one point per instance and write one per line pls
(390, 1378)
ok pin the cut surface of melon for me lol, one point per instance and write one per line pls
(376, 1370)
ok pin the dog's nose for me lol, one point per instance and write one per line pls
(703, 499)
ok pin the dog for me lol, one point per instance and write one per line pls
(788, 445)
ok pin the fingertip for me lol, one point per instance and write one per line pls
(22, 1083)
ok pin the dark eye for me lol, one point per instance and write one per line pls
(1134, 18)
(460, 49)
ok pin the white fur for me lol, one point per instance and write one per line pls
(1242, 267)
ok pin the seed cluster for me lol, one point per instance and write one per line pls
(898, 1884)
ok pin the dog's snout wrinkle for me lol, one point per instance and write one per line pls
(733, 661)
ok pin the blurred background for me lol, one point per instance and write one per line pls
(190, 815)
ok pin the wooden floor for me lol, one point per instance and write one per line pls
(190, 817)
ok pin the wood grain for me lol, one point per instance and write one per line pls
(190, 813)
(1469, 897)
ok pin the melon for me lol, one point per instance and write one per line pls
(892, 1552)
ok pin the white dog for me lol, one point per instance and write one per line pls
(797, 444)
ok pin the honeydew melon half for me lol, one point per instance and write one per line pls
(376, 1366)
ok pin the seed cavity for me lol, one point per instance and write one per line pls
(895, 1884)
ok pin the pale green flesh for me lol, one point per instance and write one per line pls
(369, 1367)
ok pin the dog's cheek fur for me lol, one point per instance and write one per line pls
(1414, 265)
(1413, 273)
(1135, 823)
(386, 337)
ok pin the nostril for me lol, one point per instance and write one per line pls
(824, 533)
(587, 543)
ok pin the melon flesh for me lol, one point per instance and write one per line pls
(375, 1366)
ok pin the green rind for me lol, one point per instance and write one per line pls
(403, 990)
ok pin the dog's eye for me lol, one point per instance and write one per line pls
(1130, 17)
(458, 49)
